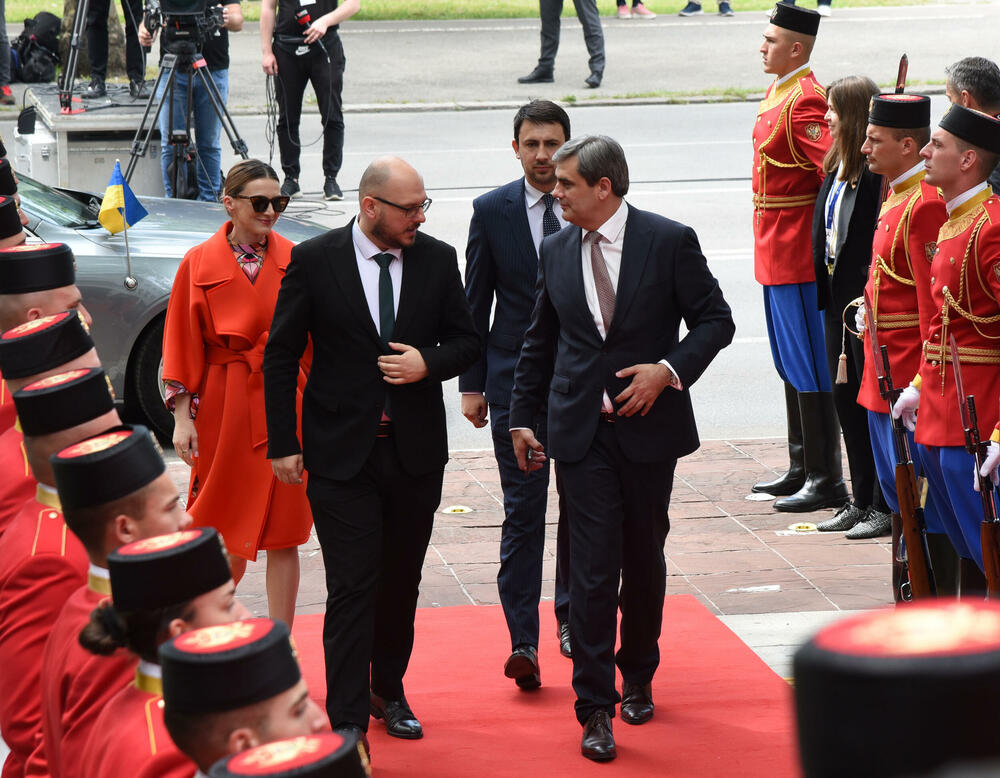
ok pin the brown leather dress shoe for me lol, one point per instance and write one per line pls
(598, 741)
(522, 666)
(562, 630)
(637, 703)
(399, 719)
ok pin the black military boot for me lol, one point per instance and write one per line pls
(944, 563)
(824, 486)
(792, 481)
(96, 88)
(972, 581)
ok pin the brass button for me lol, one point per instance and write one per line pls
(887, 228)
(53, 515)
(951, 260)
(159, 703)
(768, 122)
(943, 288)
(934, 364)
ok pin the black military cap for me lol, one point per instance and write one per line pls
(3, 149)
(7, 183)
(10, 220)
(901, 111)
(33, 267)
(64, 400)
(43, 344)
(223, 668)
(167, 570)
(791, 17)
(310, 756)
(106, 467)
(975, 127)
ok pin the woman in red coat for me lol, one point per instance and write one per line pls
(213, 344)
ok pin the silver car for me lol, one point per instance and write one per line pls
(128, 323)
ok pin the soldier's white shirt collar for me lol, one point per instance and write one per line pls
(100, 572)
(967, 195)
(794, 74)
(150, 669)
(45, 488)
(918, 168)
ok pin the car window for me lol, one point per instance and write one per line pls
(52, 205)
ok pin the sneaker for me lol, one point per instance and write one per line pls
(6, 95)
(691, 9)
(725, 9)
(875, 525)
(624, 12)
(843, 520)
(96, 89)
(331, 191)
(291, 188)
(823, 9)
(642, 12)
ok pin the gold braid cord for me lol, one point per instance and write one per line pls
(784, 120)
(889, 269)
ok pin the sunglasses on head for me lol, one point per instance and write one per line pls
(259, 202)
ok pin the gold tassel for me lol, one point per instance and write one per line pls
(842, 369)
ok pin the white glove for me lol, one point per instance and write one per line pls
(859, 319)
(989, 467)
(905, 407)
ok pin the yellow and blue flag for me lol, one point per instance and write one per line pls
(119, 209)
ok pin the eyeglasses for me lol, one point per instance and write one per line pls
(409, 211)
(259, 202)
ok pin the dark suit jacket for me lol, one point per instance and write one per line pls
(664, 279)
(855, 231)
(500, 260)
(321, 296)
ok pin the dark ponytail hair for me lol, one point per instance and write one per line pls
(141, 632)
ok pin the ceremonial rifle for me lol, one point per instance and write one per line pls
(904, 65)
(911, 511)
(989, 530)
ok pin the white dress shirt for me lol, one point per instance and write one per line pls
(369, 270)
(535, 207)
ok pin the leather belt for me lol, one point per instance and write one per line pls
(769, 202)
(967, 355)
(608, 416)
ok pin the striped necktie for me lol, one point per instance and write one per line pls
(602, 280)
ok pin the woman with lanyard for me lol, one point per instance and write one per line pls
(843, 229)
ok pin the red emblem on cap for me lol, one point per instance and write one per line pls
(284, 754)
(58, 379)
(160, 543)
(30, 247)
(34, 325)
(211, 640)
(95, 444)
(917, 630)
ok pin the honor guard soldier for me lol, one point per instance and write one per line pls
(965, 287)
(11, 223)
(35, 281)
(114, 489)
(228, 688)
(790, 140)
(310, 756)
(975, 83)
(41, 561)
(160, 587)
(899, 288)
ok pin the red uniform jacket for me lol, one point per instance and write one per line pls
(17, 484)
(130, 739)
(41, 564)
(899, 283)
(8, 413)
(965, 283)
(790, 139)
(76, 686)
(213, 343)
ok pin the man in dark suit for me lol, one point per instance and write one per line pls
(501, 262)
(386, 311)
(612, 292)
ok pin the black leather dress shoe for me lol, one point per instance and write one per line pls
(562, 630)
(347, 730)
(637, 703)
(399, 719)
(598, 742)
(539, 75)
(522, 666)
(137, 90)
(593, 80)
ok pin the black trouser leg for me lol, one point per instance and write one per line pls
(135, 67)
(562, 556)
(289, 87)
(328, 84)
(97, 38)
(944, 563)
(550, 12)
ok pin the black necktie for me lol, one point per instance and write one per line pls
(386, 311)
(550, 222)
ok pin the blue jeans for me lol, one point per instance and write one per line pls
(207, 130)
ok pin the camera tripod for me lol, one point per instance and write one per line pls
(187, 59)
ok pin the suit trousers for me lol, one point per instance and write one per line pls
(373, 530)
(617, 513)
(522, 537)
(586, 10)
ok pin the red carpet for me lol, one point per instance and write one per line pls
(719, 709)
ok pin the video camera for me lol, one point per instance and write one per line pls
(185, 23)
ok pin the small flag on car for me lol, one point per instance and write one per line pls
(119, 209)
